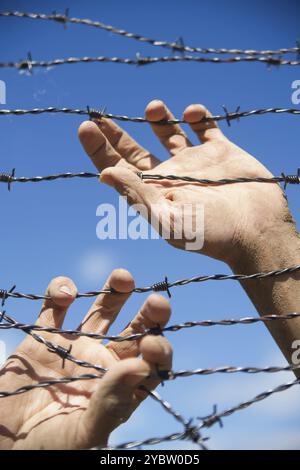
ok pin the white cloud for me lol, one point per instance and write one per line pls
(94, 266)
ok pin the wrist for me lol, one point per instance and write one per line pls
(278, 249)
(274, 247)
(275, 250)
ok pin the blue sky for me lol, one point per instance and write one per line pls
(49, 229)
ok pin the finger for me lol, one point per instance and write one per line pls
(156, 351)
(148, 200)
(62, 292)
(107, 306)
(170, 135)
(206, 131)
(130, 185)
(118, 393)
(97, 146)
(155, 312)
(126, 146)
(114, 399)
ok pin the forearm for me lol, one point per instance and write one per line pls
(275, 295)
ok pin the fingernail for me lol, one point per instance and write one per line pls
(66, 290)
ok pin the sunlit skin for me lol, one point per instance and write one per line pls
(235, 215)
(247, 225)
(82, 414)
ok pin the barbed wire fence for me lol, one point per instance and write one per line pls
(177, 45)
(191, 428)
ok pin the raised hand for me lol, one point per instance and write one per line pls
(82, 414)
(236, 216)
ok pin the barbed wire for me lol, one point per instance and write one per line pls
(208, 421)
(191, 432)
(48, 383)
(230, 370)
(65, 355)
(29, 64)
(163, 286)
(97, 114)
(286, 179)
(164, 375)
(157, 330)
(62, 352)
(216, 417)
(175, 46)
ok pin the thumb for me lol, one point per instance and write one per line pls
(130, 185)
(114, 399)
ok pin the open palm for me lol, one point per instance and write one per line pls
(234, 214)
(81, 414)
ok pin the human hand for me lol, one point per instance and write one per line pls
(82, 414)
(236, 216)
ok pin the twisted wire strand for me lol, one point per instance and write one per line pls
(165, 375)
(164, 286)
(191, 432)
(12, 323)
(216, 417)
(139, 61)
(60, 351)
(232, 370)
(48, 383)
(208, 421)
(76, 378)
(147, 442)
(286, 179)
(65, 355)
(175, 46)
(166, 405)
(261, 396)
(235, 277)
(96, 114)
